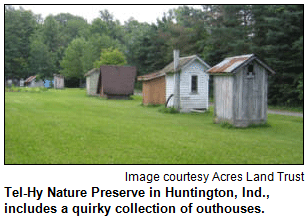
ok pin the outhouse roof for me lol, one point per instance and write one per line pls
(232, 64)
(117, 80)
(58, 75)
(91, 72)
(29, 79)
(184, 61)
(151, 76)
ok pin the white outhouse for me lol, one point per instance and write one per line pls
(183, 84)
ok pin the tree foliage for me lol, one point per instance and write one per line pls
(72, 65)
(70, 45)
(111, 57)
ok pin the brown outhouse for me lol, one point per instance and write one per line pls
(153, 88)
(116, 82)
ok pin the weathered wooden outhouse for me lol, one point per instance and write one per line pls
(58, 81)
(32, 82)
(240, 90)
(92, 82)
(183, 84)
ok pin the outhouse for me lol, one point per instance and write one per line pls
(240, 90)
(32, 82)
(116, 82)
(92, 82)
(183, 84)
(58, 81)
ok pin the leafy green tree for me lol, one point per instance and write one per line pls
(51, 33)
(230, 28)
(19, 26)
(113, 27)
(282, 46)
(72, 65)
(40, 60)
(111, 57)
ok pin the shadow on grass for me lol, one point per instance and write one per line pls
(227, 125)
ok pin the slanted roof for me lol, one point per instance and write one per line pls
(117, 80)
(151, 76)
(29, 79)
(184, 61)
(91, 72)
(232, 64)
(58, 75)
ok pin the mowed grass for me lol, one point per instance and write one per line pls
(69, 127)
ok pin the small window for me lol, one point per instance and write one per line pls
(194, 84)
(250, 71)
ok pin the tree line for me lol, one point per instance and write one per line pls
(69, 45)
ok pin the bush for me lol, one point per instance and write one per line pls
(226, 124)
(26, 89)
(169, 110)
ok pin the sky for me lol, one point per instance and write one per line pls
(141, 13)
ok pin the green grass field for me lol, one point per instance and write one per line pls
(69, 127)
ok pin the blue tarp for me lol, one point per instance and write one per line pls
(47, 83)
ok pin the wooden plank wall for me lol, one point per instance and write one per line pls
(223, 97)
(250, 95)
(92, 83)
(154, 91)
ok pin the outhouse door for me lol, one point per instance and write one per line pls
(250, 111)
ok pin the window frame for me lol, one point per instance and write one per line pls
(194, 84)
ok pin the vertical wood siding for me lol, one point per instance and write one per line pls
(92, 83)
(250, 95)
(223, 97)
(58, 82)
(154, 91)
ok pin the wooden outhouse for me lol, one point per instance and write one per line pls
(116, 82)
(92, 81)
(240, 90)
(183, 84)
(32, 82)
(58, 81)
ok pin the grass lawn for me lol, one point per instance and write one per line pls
(69, 127)
(285, 108)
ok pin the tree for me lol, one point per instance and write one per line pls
(111, 57)
(230, 28)
(113, 27)
(51, 33)
(19, 26)
(279, 39)
(40, 60)
(72, 65)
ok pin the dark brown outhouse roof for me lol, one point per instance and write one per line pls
(29, 79)
(117, 80)
(232, 64)
(170, 68)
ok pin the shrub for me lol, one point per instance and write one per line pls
(26, 89)
(226, 124)
(168, 110)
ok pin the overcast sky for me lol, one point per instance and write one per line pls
(142, 13)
